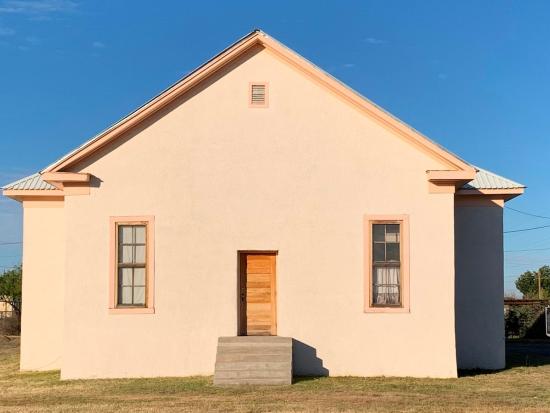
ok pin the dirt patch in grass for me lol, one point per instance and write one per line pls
(519, 388)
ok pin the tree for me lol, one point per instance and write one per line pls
(527, 283)
(10, 288)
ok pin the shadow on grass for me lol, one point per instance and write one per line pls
(519, 353)
(307, 379)
(527, 353)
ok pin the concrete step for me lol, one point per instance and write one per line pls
(255, 339)
(238, 345)
(254, 382)
(252, 365)
(263, 349)
(254, 374)
(262, 360)
(267, 358)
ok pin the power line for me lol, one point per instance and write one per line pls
(526, 213)
(526, 229)
(531, 249)
(11, 243)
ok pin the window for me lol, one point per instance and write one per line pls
(132, 244)
(258, 94)
(386, 264)
(131, 280)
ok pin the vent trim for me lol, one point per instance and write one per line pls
(258, 93)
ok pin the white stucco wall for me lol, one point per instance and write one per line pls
(479, 287)
(43, 285)
(296, 177)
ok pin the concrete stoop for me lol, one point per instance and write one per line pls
(262, 360)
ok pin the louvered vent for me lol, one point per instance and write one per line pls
(258, 94)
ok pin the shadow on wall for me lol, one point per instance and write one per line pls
(95, 182)
(305, 361)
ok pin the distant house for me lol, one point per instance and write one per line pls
(6, 309)
(261, 196)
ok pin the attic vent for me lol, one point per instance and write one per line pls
(258, 94)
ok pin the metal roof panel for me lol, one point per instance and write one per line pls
(31, 182)
(485, 179)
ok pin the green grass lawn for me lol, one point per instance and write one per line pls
(519, 388)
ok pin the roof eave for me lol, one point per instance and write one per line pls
(504, 193)
(24, 194)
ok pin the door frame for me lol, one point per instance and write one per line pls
(241, 278)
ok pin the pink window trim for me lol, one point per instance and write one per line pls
(368, 220)
(149, 221)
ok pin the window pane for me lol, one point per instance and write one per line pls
(392, 233)
(385, 286)
(378, 252)
(140, 253)
(139, 295)
(139, 276)
(126, 254)
(392, 228)
(125, 234)
(125, 276)
(140, 234)
(378, 231)
(392, 252)
(125, 295)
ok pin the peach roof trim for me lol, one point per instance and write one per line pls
(60, 179)
(65, 177)
(504, 194)
(437, 176)
(258, 37)
(30, 194)
(448, 181)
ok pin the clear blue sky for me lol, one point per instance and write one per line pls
(472, 75)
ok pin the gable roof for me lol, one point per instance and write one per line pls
(483, 180)
(257, 37)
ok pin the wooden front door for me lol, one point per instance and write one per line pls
(257, 307)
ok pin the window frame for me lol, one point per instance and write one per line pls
(403, 221)
(266, 102)
(114, 223)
